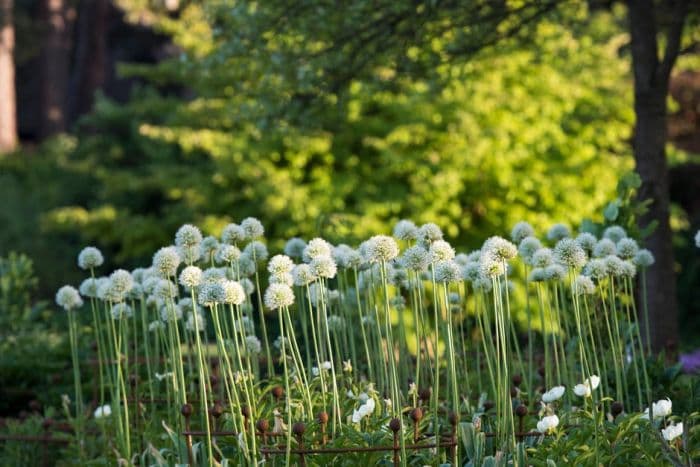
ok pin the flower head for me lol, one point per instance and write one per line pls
(548, 424)
(302, 274)
(88, 288)
(627, 248)
(500, 248)
(165, 261)
(256, 250)
(520, 231)
(644, 258)
(90, 258)
(405, 230)
(428, 233)
(188, 236)
(233, 293)
(569, 253)
(528, 246)
(233, 234)
(317, 247)
(323, 266)
(253, 345)
(614, 233)
(672, 431)
(542, 258)
(103, 411)
(191, 276)
(382, 248)
(211, 293)
(252, 228)
(557, 232)
(440, 250)
(583, 285)
(415, 258)
(279, 265)
(68, 298)
(587, 241)
(604, 247)
(448, 271)
(661, 408)
(553, 394)
(278, 296)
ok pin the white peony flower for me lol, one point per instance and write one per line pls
(661, 408)
(672, 431)
(553, 394)
(548, 424)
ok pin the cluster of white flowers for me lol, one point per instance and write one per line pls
(365, 410)
(585, 389)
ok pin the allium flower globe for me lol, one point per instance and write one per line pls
(614, 233)
(295, 248)
(569, 253)
(191, 277)
(278, 296)
(382, 248)
(428, 233)
(208, 248)
(440, 250)
(555, 272)
(627, 248)
(228, 254)
(324, 266)
(520, 231)
(315, 248)
(252, 228)
(90, 258)
(122, 282)
(188, 236)
(614, 265)
(233, 293)
(558, 232)
(405, 230)
(587, 241)
(448, 271)
(88, 288)
(542, 258)
(256, 250)
(68, 298)
(211, 293)
(302, 274)
(280, 265)
(252, 344)
(528, 246)
(604, 247)
(233, 234)
(165, 261)
(644, 258)
(500, 248)
(596, 268)
(583, 285)
(415, 258)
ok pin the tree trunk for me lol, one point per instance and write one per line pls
(651, 78)
(8, 109)
(55, 62)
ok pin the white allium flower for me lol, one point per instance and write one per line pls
(324, 266)
(490, 265)
(302, 274)
(233, 293)
(415, 258)
(226, 253)
(150, 283)
(191, 276)
(555, 272)
(165, 290)
(165, 261)
(278, 296)
(614, 265)
(662, 408)
(88, 288)
(106, 292)
(569, 253)
(211, 293)
(252, 228)
(484, 284)
(542, 258)
(122, 282)
(428, 233)
(103, 411)
(629, 269)
(614, 233)
(214, 275)
(253, 345)
(440, 250)
(398, 277)
(448, 271)
(644, 258)
(462, 259)
(341, 255)
(557, 232)
(520, 231)
(583, 285)
(256, 250)
(596, 268)
(499, 247)
(604, 247)
(627, 248)
(185, 304)
(587, 241)
(90, 258)
(553, 394)
(336, 323)
(528, 246)
(286, 278)
(537, 275)
(315, 248)
(208, 247)
(280, 265)
(382, 248)
(233, 234)
(548, 424)
(171, 313)
(139, 274)
(405, 230)
(248, 286)
(200, 324)
(68, 298)
(295, 248)
(121, 310)
(246, 266)
(188, 235)
(471, 272)
(154, 326)
(672, 431)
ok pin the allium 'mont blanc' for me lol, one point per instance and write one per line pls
(278, 296)
(90, 258)
(68, 298)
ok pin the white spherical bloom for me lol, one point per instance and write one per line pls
(548, 424)
(462, 259)
(189, 254)
(233, 292)
(150, 283)
(398, 277)
(170, 313)
(253, 345)
(103, 411)
(121, 311)
(428, 233)
(537, 275)
(448, 271)
(282, 279)
(256, 250)
(165, 261)
(553, 394)
(382, 248)
(302, 274)
(165, 290)
(583, 285)
(568, 253)
(185, 305)
(555, 272)
(211, 293)
(248, 286)
(672, 431)
(90, 258)
(415, 258)
(200, 324)
(614, 233)
(490, 265)
(629, 269)
(88, 288)
(208, 247)
(440, 250)
(336, 323)
(295, 248)
(68, 298)
(662, 408)
(520, 231)
(644, 258)
(627, 248)
(122, 282)
(582, 390)
(188, 235)
(226, 253)
(315, 248)
(405, 230)
(596, 268)
(324, 266)
(191, 276)
(233, 234)
(557, 232)
(280, 265)
(214, 275)
(528, 246)
(136, 292)
(155, 326)
(246, 266)
(587, 241)
(499, 247)
(139, 274)
(252, 228)
(614, 265)
(471, 271)
(278, 296)
(106, 292)
(604, 247)
(542, 258)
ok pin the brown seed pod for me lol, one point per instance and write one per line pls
(298, 428)
(323, 417)
(417, 414)
(395, 424)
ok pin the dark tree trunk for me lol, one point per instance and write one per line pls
(90, 67)
(55, 63)
(8, 109)
(651, 78)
